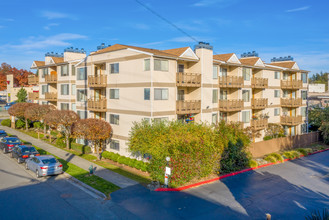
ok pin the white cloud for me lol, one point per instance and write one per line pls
(55, 15)
(50, 25)
(221, 3)
(298, 9)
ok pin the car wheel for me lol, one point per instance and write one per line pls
(37, 174)
(18, 160)
(26, 166)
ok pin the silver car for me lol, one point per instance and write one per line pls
(44, 165)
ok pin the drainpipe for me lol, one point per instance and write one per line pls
(151, 98)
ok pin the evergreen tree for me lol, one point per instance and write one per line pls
(21, 95)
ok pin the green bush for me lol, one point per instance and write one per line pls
(37, 125)
(304, 151)
(253, 163)
(291, 154)
(295, 154)
(20, 124)
(277, 157)
(267, 138)
(60, 142)
(270, 159)
(6, 122)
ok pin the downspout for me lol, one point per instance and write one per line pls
(201, 84)
(151, 68)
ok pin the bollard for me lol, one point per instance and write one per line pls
(91, 170)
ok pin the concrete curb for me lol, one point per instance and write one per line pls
(228, 175)
(86, 188)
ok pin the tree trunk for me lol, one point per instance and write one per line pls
(38, 135)
(97, 151)
(26, 125)
(67, 141)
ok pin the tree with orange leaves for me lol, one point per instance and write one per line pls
(20, 76)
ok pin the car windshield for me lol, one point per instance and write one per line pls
(28, 150)
(13, 141)
(3, 134)
(49, 161)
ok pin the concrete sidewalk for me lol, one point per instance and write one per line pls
(106, 174)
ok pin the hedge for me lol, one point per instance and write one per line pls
(6, 122)
(20, 124)
(140, 165)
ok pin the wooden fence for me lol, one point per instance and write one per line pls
(259, 149)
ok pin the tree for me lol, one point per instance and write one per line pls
(252, 133)
(21, 95)
(18, 110)
(316, 116)
(274, 130)
(320, 78)
(325, 132)
(20, 76)
(63, 120)
(96, 131)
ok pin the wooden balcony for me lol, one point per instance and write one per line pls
(291, 84)
(290, 102)
(259, 83)
(291, 121)
(259, 103)
(33, 95)
(97, 81)
(52, 78)
(230, 105)
(188, 107)
(188, 79)
(33, 79)
(230, 81)
(97, 105)
(259, 124)
(51, 96)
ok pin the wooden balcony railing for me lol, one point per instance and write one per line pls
(188, 107)
(188, 79)
(51, 96)
(97, 105)
(291, 121)
(33, 95)
(33, 79)
(259, 83)
(230, 81)
(290, 102)
(230, 105)
(97, 81)
(52, 78)
(291, 84)
(259, 103)
(259, 124)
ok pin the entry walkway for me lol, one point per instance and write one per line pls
(106, 174)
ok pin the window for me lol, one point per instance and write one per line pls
(44, 89)
(285, 76)
(277, 93)
(148, 120)
(246, 73)
(246, 116)
(147, 92)
(246, 95)
(114, 119)
(304, 77)
(304, 95)
(276, 111)
(65, 106)
(64, 70)
(223, 95)
(161, 65)
(160, 94)
(65, 89)
(276, 75)
(163, 119)
(181, 68)
(73, 70)
(223, 72)
(82, 73)
(215, 96)
(81, 95)
(303, 111)
(303, 128)
(73, 107)
(114, 68)
(285, 94)
(214, 72)
(214, 118)
(114, 93)
(44, 72)
(73, 88)
(44, 103)
(82, 114)
(147, 64)
(115, 145)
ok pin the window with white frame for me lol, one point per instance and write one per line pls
(72, 70)
(223, 72)
(161, 65)
(65, 89)
(114, 119)
(162, 119)
(303, 128)
(215, 72)
(114, 93)
(73, 107)
(160, 94)
(81, 95)
(115, 145)
(147, 64)
(277, 93)
(44, 72)
(114, 68)
(285, 94)
(277, 75)
(65, 106)
(214, 118)
(303, 111)
(246, 116)
(215, 96)
(246, 73)
(73, 88)
(285, 76)
(277, 112)
(246, 95)
(82, 114)
(82, 73)
(304, 94)
(64, 70)
(147, 93)
(304, 77)
(44, 89)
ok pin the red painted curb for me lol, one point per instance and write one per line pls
(228, 175)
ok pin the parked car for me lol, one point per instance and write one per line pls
(3, 134)
(22, 152)
(2, 103)
(8, 105)
(44, 165)
(8, 143)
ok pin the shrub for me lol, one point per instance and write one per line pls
(295, 154)
(291, 154)
(37, 125)
(6, 122)
(270, 159)
(60, 142)
(277, 157)
(20, 124)
(267, 138)
(304, 151)
(253, 163)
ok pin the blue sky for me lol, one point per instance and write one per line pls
(300, 28)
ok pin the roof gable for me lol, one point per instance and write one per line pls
(234, 59)
(36, 64)
(286, 64)
(223, 57)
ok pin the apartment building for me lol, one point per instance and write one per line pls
(125, 84)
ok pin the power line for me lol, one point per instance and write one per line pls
(166, 20)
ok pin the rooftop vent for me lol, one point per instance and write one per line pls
(52, 54)
(102, 46)
(288, 58)
(203, 45)
(76, 50)
(249, 54)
